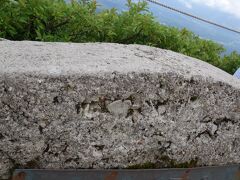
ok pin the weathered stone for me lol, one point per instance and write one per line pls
(119, 107)
(5, 164)
(2, 39)
(66, 105)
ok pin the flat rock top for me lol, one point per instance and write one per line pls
(55, 59)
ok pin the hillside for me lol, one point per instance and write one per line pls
(230, 40)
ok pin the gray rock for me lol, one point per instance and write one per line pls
(2, 39)
(67, 105)
(119, 107)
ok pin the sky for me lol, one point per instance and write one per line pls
(224, 12)
(228, 6)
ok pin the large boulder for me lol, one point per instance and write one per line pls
(99, 105)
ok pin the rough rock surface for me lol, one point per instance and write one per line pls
(66, 105)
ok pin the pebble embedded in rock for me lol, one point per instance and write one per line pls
(119, 107)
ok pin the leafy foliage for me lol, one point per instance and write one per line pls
(80, 21)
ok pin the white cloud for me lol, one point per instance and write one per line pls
(186, 3)
(228, 6)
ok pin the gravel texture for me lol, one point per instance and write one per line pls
(99, 105)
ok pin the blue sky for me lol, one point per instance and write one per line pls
(226, 12)
(231, 7)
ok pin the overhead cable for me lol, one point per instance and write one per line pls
(193, 16)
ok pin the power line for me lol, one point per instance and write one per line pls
(192, 16)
